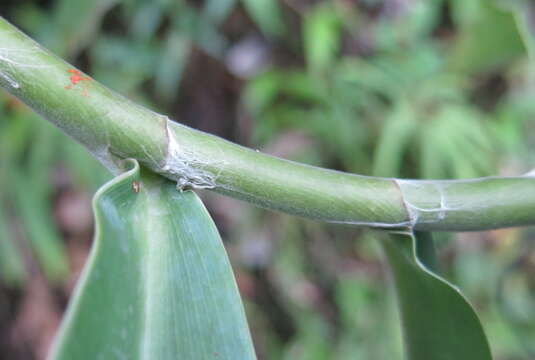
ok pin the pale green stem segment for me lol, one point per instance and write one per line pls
(113, 128)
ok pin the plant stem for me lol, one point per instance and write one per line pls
(114, 128)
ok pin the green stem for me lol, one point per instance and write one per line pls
(114, 128)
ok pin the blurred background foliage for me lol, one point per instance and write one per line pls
(411, 88)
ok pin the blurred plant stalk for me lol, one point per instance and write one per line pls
(113, 128)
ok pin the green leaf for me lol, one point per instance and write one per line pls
(395, 137)
(75, 24)
(175, 54)
(437, 320)
(514, 293)
(145, 20)
(522, 11)
(158, 284)
(456, 143)
(321, 34)
(216, 11)
(266, 14)
(123, 63)
(12, 270)
(488, 36)
(260, 92)
(33, 209)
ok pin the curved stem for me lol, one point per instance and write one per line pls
(114, 128)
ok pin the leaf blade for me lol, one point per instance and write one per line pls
(149, 246)
(438, 322)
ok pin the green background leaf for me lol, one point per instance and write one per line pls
(266, 14)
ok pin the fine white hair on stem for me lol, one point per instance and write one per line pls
(421, 213)
(185, 167)
(9, 80)
(18, 58)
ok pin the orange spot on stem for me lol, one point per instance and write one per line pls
(75, 78)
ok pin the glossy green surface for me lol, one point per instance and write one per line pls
(438, 322)
(158, 283)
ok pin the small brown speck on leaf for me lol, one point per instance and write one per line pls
(135, 186)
